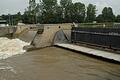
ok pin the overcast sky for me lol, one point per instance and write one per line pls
(14, 6)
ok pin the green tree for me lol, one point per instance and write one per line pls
(29, 17)
(108, 15)
(49, 10)
(99, 18)
(66, 10)
(58, 15)
(16, 18)
(91, 13)
(118, 18)
(78, 14)
(38, 12)
(65, 3)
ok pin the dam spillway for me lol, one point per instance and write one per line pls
(45, 35)
(63, 64)
(11, 47)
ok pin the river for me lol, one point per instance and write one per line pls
(57, 64)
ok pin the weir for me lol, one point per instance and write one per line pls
(45, 35)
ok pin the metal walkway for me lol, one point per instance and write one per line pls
(91, 51)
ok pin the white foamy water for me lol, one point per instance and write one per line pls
(11, 47)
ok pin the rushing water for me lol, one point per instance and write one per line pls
(57, 64)
(11, 47)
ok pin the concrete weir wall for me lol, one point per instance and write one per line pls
(7, 30)
(47, 37)
(15, 30)
(26, 32)
(41, 35)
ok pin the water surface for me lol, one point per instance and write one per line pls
(57, 64)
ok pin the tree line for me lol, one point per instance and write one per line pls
(50, 11)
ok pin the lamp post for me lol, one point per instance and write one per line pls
(9, 19)
(36, 18)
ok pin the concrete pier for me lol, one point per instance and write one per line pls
(91, 51)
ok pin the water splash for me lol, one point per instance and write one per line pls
(11, 47)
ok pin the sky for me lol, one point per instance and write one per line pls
(14, 6)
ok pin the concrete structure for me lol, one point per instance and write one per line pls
(51, 34)
(47, 37)
(7, 30)
(91, 51)
(38, 35)
(3, 23)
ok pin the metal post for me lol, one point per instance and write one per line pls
(75, 35)
(9, 20)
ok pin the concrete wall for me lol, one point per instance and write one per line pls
(46, 39)
(31, 34)
(21, 28)
(6, 30)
